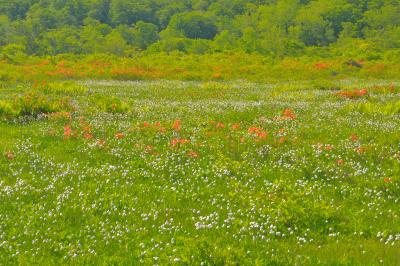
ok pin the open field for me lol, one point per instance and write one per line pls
(202, 173)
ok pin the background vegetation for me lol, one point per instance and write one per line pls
(353, 28)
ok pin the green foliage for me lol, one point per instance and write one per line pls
(33, 104)
(111, 105)
(202, 173)
(391, 108)
(13, 53)
(66, 88)
(275, 28)
(192, 25)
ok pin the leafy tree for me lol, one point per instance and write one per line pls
(271, 27)
(193, 25)
(64, 40)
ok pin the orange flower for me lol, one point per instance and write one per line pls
(254, 130)
(354, 137)
(157, 124)
(216, 76)
(148, 148)
(67, 131)
(87, 136)
(177, 141)
(119, 135)
(340, 162)
(220, 125)
(235, 126)
(193, 154)
(328, 147)
(262, 134)
(10, 155)
(146, 124)
(177, 125)
(352, 94)
(321, 65)
(282, 140)
(387, 180)
(288, 114)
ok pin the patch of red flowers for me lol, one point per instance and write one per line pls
(287, 114)
(352, 94)
(177, 125)
(321, 66)
(258, 132)
(177, 141)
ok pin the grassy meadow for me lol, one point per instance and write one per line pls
(216, 172)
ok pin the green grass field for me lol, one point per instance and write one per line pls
(200, 173)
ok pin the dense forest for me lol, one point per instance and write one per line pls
(276, 28)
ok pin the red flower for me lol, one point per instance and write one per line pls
(87, 136)
(177, 141)
(119, 135)
(177, 125)
(321, 65)
(235, 126)
(254, 130)
(354, 137)
(352, 94)
(67, 132)
(288, 114)
(262, 134)
(328, 147)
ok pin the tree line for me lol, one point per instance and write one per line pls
(270, 27)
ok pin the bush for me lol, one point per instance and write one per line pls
(65, 88)
(112, 105)
(33, 104)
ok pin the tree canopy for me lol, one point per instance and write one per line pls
(272, 27)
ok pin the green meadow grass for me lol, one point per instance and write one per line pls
(201, 173)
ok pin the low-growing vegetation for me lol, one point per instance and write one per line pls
(33, 104)
(202, 173)
(200, 132)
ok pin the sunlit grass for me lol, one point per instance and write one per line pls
(213, 173)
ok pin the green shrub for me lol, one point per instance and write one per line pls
(33, 104)
(112, 105)
(66, 88)
(392, 108)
